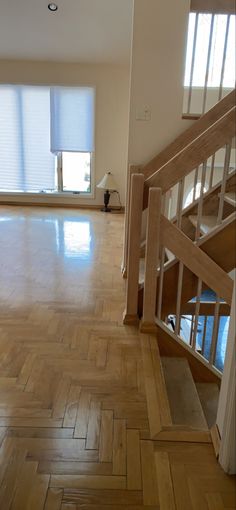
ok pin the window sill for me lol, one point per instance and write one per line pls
(191, 116)
(49, 199)
(65, 194)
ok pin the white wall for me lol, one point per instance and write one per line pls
(112, 107)
(158, 59)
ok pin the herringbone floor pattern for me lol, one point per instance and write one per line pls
(74, 428)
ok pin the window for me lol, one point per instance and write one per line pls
(76, 171)
(210, 60)
(46, 139)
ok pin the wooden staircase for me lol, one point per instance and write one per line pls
(172, 254)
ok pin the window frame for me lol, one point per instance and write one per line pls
(83, 194)
(59, 193)
(214, 9)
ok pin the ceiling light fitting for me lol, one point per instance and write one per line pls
(52, 7)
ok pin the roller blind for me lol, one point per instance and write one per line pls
(72, 119)
(36, 122)
(26, 163)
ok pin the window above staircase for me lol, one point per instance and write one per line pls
(210, 55)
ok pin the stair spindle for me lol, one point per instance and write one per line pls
(179, 295)
(197, 310)
(223, 184)
(215, 332)
(200, 203)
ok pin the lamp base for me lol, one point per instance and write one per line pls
(106, 202)
(106, 209)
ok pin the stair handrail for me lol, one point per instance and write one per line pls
(199, 150)
(188, 209)
(187, 136)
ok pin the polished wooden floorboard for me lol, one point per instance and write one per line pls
(74, 427)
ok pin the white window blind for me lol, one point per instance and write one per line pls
(72, 119)
(26, 163)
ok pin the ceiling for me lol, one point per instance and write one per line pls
(91, 31)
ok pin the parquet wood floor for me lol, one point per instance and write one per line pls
(74, 429)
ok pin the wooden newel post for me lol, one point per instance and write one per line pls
(132, 169)
(151, 260)
(134, 238)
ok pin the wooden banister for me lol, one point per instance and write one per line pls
(131, 170)
(134, 238)
(196, 260)
(193, 155)
(151, 259)
(190, 134)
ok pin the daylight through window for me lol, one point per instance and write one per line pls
(210, 60)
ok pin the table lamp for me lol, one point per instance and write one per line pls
(108, 184)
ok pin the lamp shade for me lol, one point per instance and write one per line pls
(107, 182)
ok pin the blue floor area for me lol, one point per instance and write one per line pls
(223, 327)
(207, 295)
(210, 296)
(221, 342)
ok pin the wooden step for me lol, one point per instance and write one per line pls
(207, 223)
(230, 198)
(209, 397)
(169, 255)
(183, 397)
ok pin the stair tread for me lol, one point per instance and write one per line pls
(207, 223)
(183, 397)
(230, 197)
(170, 256)
(209, 397)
